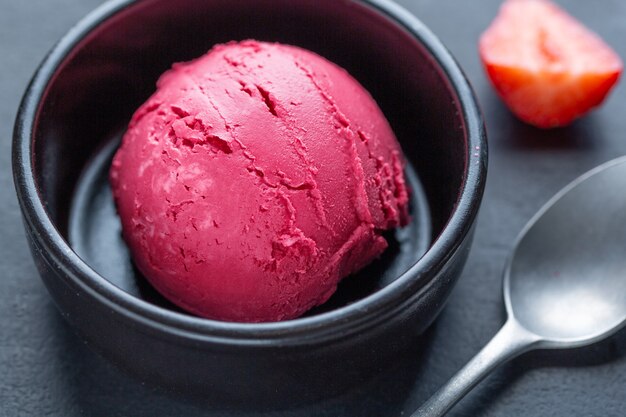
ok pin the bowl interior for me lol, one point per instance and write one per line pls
(93, 94)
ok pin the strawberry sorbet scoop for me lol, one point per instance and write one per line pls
(254, 179)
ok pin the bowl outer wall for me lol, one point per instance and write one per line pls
(57, 259)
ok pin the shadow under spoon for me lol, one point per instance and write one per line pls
(565, 282)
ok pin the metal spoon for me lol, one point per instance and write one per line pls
(565, 283)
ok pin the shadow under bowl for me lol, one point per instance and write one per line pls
(69, 124)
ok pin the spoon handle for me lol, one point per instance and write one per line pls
(511, 341)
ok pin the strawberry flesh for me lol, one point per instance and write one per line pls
(548, 68)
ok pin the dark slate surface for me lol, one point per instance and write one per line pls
(47, 371)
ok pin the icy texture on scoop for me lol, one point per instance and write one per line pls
(254, 180)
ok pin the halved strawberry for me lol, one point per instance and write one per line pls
(547, 67)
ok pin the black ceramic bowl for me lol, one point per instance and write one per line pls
(82, 97)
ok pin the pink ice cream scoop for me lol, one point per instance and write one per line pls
(254, 180)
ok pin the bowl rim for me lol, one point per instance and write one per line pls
(334, 324)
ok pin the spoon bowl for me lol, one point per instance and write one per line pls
(565, 282)
(566, 279)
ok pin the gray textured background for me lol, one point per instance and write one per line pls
(47, 371)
